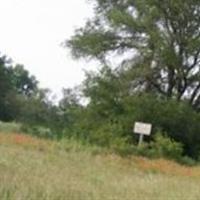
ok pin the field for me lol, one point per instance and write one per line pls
(35, 169)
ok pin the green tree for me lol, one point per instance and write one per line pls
(22, 81)
(105, 91)
(16, 86)
(5, 88)
(161, 39)
(70, 111)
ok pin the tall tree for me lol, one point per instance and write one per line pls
(16, 86)
(5, 87)
(22, 81)
(162, 40)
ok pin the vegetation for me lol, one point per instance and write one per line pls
(32, 168)
(161, 40)
(78, 151)
(156, 80)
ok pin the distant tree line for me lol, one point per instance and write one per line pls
(21, 99)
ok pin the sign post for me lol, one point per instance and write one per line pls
(142, 129)
(141, 137)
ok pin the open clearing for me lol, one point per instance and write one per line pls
(33, 169)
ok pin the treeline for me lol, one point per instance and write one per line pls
(156, 80)
(154, 49)
(21, 100)
(108, 117)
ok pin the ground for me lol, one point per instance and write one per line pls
(32, 168)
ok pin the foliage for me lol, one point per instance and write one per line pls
(186, 160)
(70, 111)
(112, 111)
(162, 147)
(22, 81)
(5, 88)
(8, 127)
(161, 41)
(38, 131)
(16, 85)
(156, 78)
(107, 135)
(178, 120)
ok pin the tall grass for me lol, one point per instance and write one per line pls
(10, 127)
(49, 170)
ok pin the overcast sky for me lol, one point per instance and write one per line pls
(31, 33)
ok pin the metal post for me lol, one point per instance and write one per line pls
(141, 139)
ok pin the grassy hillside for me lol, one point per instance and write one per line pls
(39, 169)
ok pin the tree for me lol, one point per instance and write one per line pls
(16, 87)
(70, 110)
(162, 41)
(5, 87)
(22, 81)
(105, 91)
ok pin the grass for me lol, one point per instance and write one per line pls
(35, 169)
(8, 127)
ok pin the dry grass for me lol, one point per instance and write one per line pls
(32, 169)
(26, 141)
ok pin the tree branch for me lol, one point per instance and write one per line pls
(194, 94)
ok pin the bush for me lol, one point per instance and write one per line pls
(122, 147)
(165, 147)
(161, 147)
(38, 131)
(107, 135)
(177, 119)
(185, 160)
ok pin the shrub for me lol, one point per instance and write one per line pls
(107, 135)
(122, 147)
(161, 147)
(38, 131)
(185, 160)
(177, 119)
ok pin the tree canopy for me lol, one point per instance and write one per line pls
(16, 84)
(162, 41)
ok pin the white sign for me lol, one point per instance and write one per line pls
(142, 128)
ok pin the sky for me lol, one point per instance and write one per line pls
(32, 32)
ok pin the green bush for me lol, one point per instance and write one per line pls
(107, 135)
(185, 160)
(122, 147)
(177, 119)
(161, 147)
(38, 131)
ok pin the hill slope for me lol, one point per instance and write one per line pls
(37, 169)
